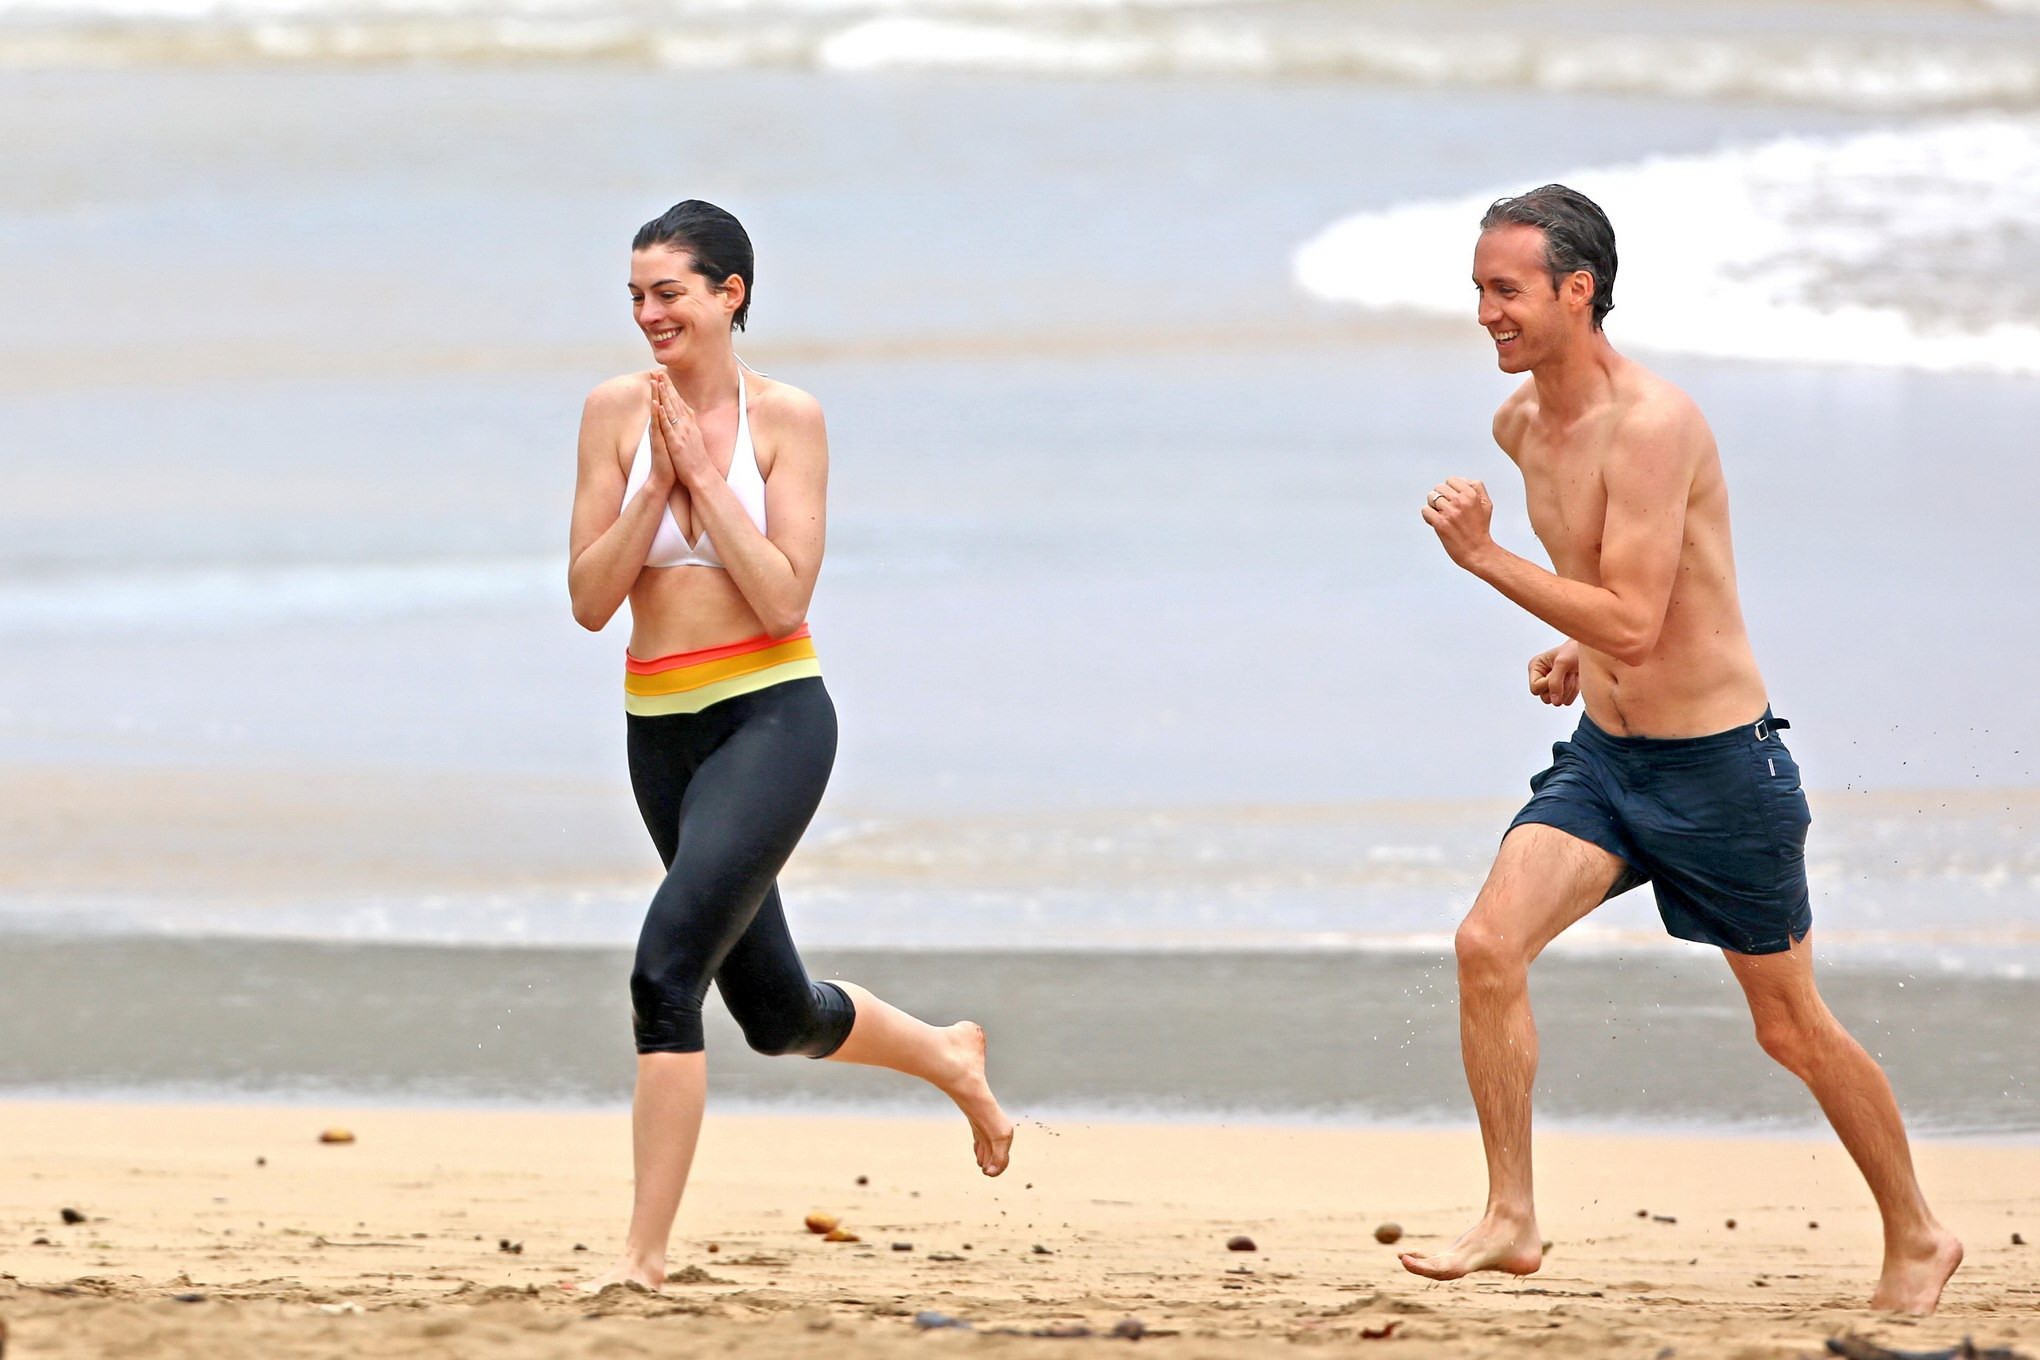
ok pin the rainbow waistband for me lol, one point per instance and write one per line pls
(687, 682)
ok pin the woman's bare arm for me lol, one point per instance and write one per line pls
(609, 539)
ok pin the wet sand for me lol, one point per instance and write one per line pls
(231, 1231)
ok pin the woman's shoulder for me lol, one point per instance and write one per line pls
(787, 407)
(619, 397)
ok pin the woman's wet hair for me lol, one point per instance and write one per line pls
(1577, 235)
(717, 241)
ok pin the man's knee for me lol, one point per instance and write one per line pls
(1791, 1036)
(1486, 953)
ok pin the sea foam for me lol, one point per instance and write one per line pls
(1887, 248)
(1919, 62)
(182, 600)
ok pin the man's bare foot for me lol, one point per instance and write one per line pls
(1912, 1279)
(634, 1274)
(990, 1131)
(1497, 1242)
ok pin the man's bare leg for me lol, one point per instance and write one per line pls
(1795, 1027)
(665, 1125)
(951, 1059)
(1542, 881)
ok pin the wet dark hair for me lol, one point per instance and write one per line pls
(1577, 235)
(716, 240)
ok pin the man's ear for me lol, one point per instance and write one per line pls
(1579, 287)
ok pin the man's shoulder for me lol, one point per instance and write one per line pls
(1513, 416)
(1659, 437)
(1653, 409)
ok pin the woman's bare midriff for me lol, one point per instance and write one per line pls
(683, 609)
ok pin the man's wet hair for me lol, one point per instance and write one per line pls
(1577, 235)
(717, 241)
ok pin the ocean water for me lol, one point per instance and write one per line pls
(1140, 330)
(1648, 1041)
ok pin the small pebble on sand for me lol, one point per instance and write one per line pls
(71, 1216)
(861, 1180)
(336, 1136)
(2018, 1241)
(1240, 1243)
(1388, 1232)
(1731, 1223)
(840, 1234)
(898, 1246)
(819, 1222)
(504, 1244)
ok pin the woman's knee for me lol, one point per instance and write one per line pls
(814, 1029)
(665, 1008)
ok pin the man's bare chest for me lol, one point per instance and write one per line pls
(1568, 503)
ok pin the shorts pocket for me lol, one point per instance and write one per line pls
(1781, 795)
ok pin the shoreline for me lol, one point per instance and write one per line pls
(905, 1111)
(1322, 1039)
(378, 1246)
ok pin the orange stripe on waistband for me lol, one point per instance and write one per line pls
(709, 672)
(678, 659)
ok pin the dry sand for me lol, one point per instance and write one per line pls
(230, 1232)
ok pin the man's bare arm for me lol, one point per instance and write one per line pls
(1648, 480)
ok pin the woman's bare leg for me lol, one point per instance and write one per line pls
(665, 1125)
(951, 1059)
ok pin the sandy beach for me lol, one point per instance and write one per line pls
(224, 1231)
(1172, 748)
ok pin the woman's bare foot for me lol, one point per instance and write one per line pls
(990, 1131)
(1913, 1277)
(638, 1274)
(1498, 1242)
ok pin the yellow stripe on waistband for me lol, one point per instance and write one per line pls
(695, 698)
(684, 678)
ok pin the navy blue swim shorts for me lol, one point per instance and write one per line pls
(1716, 824)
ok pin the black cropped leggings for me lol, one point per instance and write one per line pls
(726, 794)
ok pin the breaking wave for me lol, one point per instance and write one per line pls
(1933, 60)
(1898, 247)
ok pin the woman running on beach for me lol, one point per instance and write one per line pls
(700, 500)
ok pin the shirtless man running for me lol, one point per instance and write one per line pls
(1677, 775)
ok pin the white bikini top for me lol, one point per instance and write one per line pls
(670, 547)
